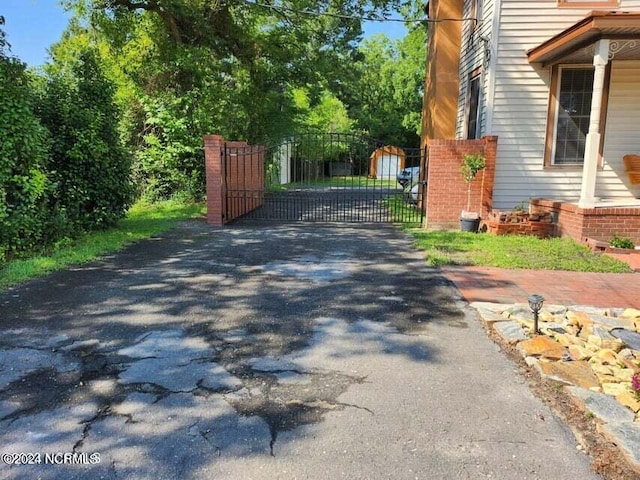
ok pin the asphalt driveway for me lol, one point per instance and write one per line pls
(248, 352)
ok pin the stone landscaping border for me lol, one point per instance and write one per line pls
(594, 352)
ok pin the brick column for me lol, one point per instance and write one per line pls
(216, 194)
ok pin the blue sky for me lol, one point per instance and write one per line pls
(392, 29)
(32, 26)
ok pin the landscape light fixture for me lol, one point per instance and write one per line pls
(535, 304)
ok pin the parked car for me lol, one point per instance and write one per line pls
(409, 179)
(408, 176)
(411, 192)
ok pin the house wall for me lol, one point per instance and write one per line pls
(520, 95)
(475, 53)
(441, 82)
(622, 134)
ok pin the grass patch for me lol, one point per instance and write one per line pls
(511, 251)
(142, 221)
(403, 212)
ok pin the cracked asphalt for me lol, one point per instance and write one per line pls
(266, 352)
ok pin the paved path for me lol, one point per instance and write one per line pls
(499, 285)
(265, 353)
(632, 260)
(368, 203)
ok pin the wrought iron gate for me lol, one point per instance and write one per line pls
(326, 178)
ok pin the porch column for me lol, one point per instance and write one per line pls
(592, 142)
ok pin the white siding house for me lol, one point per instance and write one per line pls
(474, 64)
(622, 130)
(522, 52)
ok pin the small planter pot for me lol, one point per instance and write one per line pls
(469, 224)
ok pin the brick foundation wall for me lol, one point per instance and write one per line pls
(597, 223)
(235, 179)
(446, 189)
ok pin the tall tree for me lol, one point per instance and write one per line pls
(327, 115)
(384, 95)
(409, 77)
(257, 48)
(186, 68)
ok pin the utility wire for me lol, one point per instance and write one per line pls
(311, 13)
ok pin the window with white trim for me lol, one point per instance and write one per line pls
(573, 111)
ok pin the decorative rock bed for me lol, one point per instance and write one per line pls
(594, 352)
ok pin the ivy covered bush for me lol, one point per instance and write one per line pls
(24, 182)
(88, 164)
(63, 168)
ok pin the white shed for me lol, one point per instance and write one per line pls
(386, 162)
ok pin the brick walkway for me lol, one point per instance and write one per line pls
(632, 260)
(488, 284)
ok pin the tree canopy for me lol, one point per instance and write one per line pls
(244, 69)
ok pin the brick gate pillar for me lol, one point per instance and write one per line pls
(216, 194)
(446, 190)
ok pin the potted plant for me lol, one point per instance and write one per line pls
(471, 165)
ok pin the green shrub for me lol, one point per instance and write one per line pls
(170, 160)
(24, 183)
(621, 242)
(89, 165)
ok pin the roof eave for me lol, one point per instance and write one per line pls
(585, 32)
